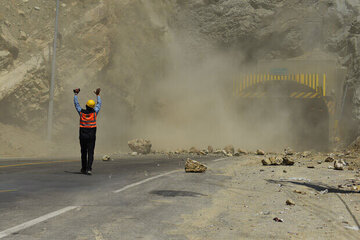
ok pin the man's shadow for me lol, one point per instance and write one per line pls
(72, 172)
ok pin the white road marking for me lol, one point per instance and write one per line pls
(144, 181)
(31, 223)
(220, 159)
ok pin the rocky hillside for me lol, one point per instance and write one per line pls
(147, 54)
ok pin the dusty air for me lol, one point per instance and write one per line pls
(183, 120)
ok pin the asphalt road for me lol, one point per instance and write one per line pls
(127, 198)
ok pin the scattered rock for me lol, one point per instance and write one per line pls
(351, 169)
(106, 158)
(203, 153)
(194, 150)
(272, 161)
(241, 151)
(338, 165)
(21, 13)
(134, 154)
(330, 167)
(194, 166)
(229, 149)
(311, 166)
(324, 191)
(329, 159)
(299, 192)
(260, 152)
(210, 149)
(37, 8)
(288, 161)
(284, 171)
(319, 162)
(266, 162)
(23, 36)
(306, 154)
(290, 202)
(218, 151)
(140, 146)
(7, 23)
(276, 219)
(288, 151)
(236, 154)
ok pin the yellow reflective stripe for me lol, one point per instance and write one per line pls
(293, 94)
(299, 95)
(314, 95)
(308, 94)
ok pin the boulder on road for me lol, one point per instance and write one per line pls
(194, 150)
(306, 154)
(241, 151)
(329, 159)
(194, 166)
(288, 151)
(260, 152)
(338, 165)
(140, 146)
(229, 149)
(106, 158)
(288, 161)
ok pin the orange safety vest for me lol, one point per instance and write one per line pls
(88, 120)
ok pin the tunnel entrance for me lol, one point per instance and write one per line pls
(285, 113)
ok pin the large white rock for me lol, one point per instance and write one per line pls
(140, 146)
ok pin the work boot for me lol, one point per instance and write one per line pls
(89, 172)
(83, 171)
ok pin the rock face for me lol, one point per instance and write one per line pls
(140, 146)
(229, 149)
(5, 59)
(194, 166)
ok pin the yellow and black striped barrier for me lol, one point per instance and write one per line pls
(257, 94)
(312, 81)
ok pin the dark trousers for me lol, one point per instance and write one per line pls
(87, 153)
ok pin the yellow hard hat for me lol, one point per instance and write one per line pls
(90, 103)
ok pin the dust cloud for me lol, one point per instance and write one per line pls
(192, 104)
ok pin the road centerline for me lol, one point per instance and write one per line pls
(144, 181)
(37, 163)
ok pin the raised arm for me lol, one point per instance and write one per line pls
(98, 104)
(76, 103)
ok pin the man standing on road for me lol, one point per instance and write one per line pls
(87, 129)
